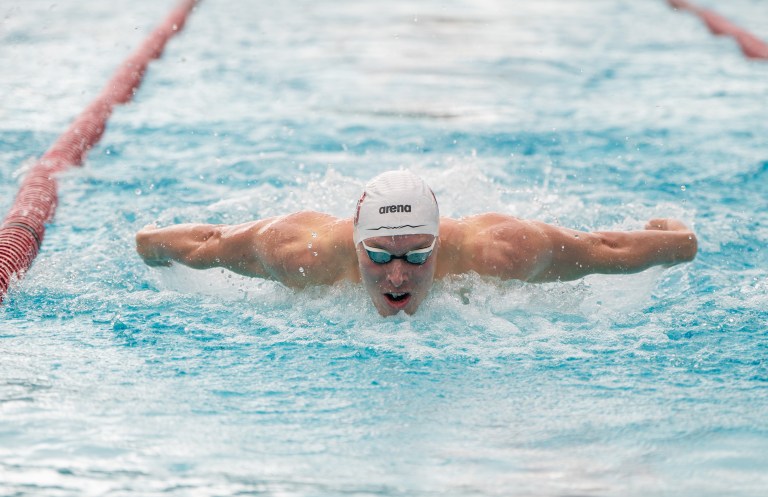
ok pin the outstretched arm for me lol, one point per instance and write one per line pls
(573, 254)
(299, 249)
(203, 246)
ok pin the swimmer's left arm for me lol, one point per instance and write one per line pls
(572, 254)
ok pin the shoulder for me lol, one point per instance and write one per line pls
(301, 220)
(292, 228)
(307, 248)
(494, 244)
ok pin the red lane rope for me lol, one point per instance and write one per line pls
(23, 229)
(752, 46)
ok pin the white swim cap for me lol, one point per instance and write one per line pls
(396, 203)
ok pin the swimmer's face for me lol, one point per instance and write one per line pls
(397, 285)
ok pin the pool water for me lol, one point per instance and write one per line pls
(118, 379)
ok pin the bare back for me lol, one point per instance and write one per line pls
(309, 248)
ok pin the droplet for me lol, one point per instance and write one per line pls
(309, 245)
(682, 187)
(314, 235)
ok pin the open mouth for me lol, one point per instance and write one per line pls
(398, 300)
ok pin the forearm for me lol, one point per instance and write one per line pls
(573, 254)
(182, 243)
(636, 251)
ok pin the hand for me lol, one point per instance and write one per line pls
(680, 239)
(661, 224)
(149, 227)
(146, 250)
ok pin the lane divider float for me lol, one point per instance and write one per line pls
(23, 229)
(752, 46)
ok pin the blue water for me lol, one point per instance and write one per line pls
(117, 379)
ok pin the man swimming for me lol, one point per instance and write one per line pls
(397, 244)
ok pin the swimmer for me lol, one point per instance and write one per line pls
(397, 244)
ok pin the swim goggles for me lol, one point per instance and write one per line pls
(418, 257)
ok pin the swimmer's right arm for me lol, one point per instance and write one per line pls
(203, 246)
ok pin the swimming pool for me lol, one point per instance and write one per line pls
(117, 379)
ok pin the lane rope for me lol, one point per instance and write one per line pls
(751, 46)
(23, 230)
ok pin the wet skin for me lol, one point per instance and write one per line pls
(491, 244)
(397, 285)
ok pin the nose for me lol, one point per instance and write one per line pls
(397, 274)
